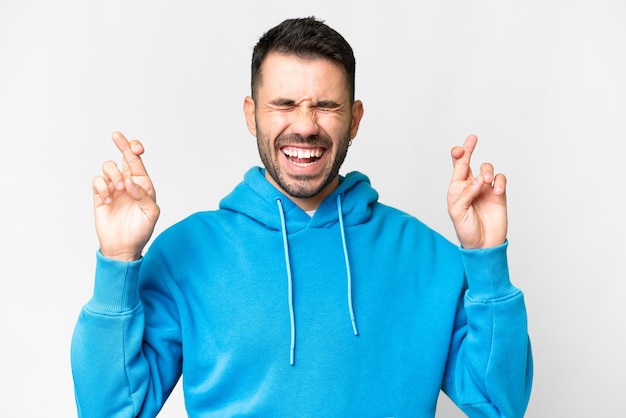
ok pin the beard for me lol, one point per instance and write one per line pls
(302, 186)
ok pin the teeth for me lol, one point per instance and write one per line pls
(302, 153)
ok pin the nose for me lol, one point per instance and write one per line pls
(304, 122)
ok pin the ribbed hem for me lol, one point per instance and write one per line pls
(487, 273)
(115, 288)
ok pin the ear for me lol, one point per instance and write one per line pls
(248, 111)
(357, 114)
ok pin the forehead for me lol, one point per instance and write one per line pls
(289, 75)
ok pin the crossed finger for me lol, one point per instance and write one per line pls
(131, 150)
(461, 157)
(112, 178)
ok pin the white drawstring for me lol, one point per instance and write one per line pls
(292, 316)
(349, 275)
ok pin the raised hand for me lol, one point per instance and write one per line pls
(477, 205)
(125, 206)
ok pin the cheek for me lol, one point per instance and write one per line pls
(333, 126)
(272, 126)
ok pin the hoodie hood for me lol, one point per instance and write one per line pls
(256, 198)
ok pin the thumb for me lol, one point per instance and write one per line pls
(471, 190)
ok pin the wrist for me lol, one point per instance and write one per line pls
(120, 255)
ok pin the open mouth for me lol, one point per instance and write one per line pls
(303, 157)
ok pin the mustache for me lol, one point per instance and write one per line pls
(312, 140)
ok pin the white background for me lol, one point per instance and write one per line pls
(540, 82)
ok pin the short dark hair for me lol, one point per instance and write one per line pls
(307, 38)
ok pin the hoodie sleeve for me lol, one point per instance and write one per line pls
(116, 365)
(489, 370)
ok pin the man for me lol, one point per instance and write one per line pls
(302, 295)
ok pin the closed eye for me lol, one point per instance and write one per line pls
(289, 104)
(327, 105)
(283, 104)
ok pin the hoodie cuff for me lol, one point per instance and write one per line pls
(116, 286)
(487, 273)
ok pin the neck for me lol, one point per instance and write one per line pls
(307, 203)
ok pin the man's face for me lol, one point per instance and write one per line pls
(303, 120)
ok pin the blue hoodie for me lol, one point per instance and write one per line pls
(358, 311)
